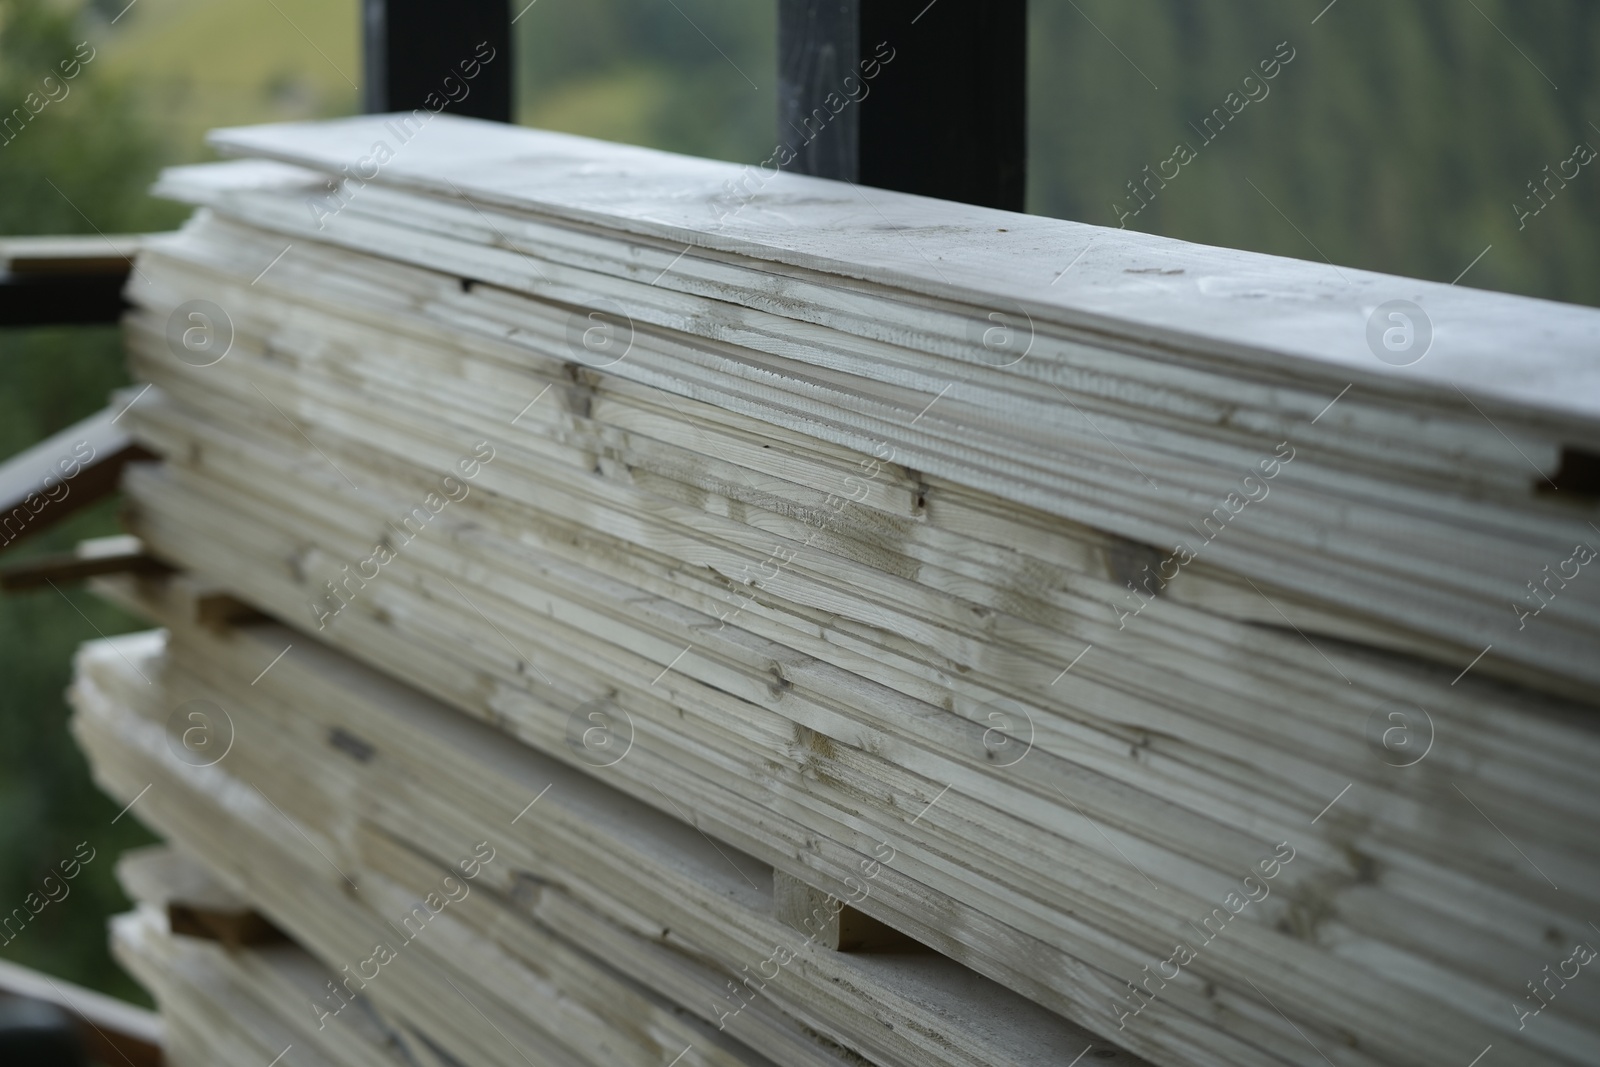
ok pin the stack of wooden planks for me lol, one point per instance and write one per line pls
(357, 813)
(1115, 617)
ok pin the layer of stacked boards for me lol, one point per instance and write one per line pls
(1168, 658)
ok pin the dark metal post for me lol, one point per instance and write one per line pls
(921, 97)
(422, 54)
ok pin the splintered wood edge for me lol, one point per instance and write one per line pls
(196, 903)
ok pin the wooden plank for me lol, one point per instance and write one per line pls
(901, 641)
(66, 471)
(1247, 308)
(78, 254)
(235, 1007)
(1092, 479)
(901, 94)
(582, 850)
(102, 555)
(1305, 555)
(113, 1031)
(76, 280)
(410, 659)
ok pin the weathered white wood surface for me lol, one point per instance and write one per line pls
(799, 351)
(554, 1006)
(249, 1006)
(597, 574)
(1256, 309)
(633, 887)
(225, 547)
(1357, 522)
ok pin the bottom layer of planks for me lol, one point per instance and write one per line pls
(241, 1005)
(507, 908)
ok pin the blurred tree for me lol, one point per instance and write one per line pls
(692, 76)
(80, 164)
(1397, 139)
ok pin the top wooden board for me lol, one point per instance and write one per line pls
(1290, 316)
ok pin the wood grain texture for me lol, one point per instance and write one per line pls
(1239, 307)
(634, 887)
(1148, 451)
(861, 521)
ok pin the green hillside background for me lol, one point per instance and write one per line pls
(1397, 139)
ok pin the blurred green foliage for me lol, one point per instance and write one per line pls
(80, 164)
(1398, 139)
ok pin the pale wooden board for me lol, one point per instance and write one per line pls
(1250, 717)
(1516, 351)
(1358, 534)
(76, 254)
(565, 1017)
(868, 664)
(1330, 791)
(251, 1005)
(807, 576)
(671, 878)
(878, 336)
(410, 660)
